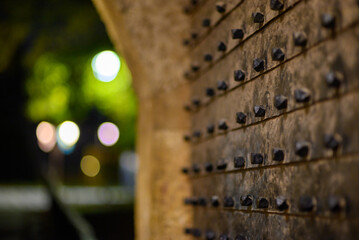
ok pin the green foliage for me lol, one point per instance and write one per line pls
(48, 90)
(115, 99)
(61, 91)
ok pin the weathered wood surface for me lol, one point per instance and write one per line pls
(255, 223)
(261, 44)
(307, 124)
(324, 172)
(305, 72)
(208, 11)
(258, 226)
(275, 31)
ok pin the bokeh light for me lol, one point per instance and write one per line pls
(106, 65)
(108, 133)
(69, 133)
(65, 149)
(90, 165)
(46, 136)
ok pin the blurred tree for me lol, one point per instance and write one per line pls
(46, 60)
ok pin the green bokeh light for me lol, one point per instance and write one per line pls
(59, 91)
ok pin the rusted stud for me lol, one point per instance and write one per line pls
(222, 125)
(194, 35)
(258, 64)
(300, 39)
(281, 203)
(206, 22)
(306, 203)
(239, 75)
(302, 95)
(195, 67)
(222, 47)
(334, 79)
(210, 92)
(202, 201)
(246, 200)
(194, 2)
(196, 102)
(196, 232)
(277, 54)
(221, 7)
(222, 85)
(187, 138)
(210, 128)
(328, 20)
(278, 154)
(237, 33)
(221, 165)
(187, 108)
(280, 102)
(185, 170)
(196, 134)
(208, 167)
(259, 111)
(336, 203)
(258, 17)
(257, 158)
(302, 148)
(187, 230)
(276, 5)
(214, 201)
(210, 235)
(241, 117)
(194, 201)
(186, 10)
(332, 141)
(190, 201)
(207, 57)
(185, 42)
(224, 237)
(195, 168)
(228, 202)
(263, 203)
(240, 237)
(239, 162)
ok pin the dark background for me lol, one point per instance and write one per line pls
(72, 31)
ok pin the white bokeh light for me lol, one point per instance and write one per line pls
(108, 133)
(105, 65)
(69, 133)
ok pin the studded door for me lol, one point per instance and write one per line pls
(275, 119)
